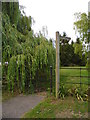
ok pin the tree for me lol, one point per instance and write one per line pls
(71, 54)
(78, 47)
(81, 25)
(66, 54)
(64, 40)
(24, 24)
(66, 51)
(79, 51)
(25, 53)
(12, 10)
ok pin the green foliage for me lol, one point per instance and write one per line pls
(62, 91)
(79, 93)
(66, 54)
(24, 24)
(72, 54)
(12, 10)
(81, 25)
(24, 52)
(11, 73)
(78, 48)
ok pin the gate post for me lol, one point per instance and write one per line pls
(57, 64)
(50, 79)
(89, 59)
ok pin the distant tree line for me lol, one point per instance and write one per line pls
(72, 54)
(76, 52)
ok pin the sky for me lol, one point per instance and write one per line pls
(57, 15)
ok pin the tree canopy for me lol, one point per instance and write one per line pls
(24, 52)
(81, 25)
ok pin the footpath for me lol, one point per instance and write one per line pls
(17, 106)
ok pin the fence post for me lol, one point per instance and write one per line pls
(89, 58)
(80, 77)
(50, 79)
(57, 64)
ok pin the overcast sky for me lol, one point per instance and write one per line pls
(57, 15)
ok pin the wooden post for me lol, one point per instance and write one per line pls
(80, 77)
(57, 64)
(88, 59)
(50, 79)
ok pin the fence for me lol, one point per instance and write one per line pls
(78, 76)
(42, 81)
(52, 78)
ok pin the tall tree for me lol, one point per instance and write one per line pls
(25, 53)
(78, 47)
(12, 10)
(24, 24)
(81, 25)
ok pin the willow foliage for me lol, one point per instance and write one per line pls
(24, 52)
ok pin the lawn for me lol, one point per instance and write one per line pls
(52, 108)
(71, 78)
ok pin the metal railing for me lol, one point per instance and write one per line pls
(78, 76)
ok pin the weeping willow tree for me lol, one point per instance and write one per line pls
(24, 52)
(22, 68)
(12, 10)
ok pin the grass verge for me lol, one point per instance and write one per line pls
(52, 108)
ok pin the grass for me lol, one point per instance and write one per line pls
(66, 76)
(73, 72)
(52, 108)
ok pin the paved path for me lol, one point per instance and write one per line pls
(17, 106)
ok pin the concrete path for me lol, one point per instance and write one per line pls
(17, 106)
